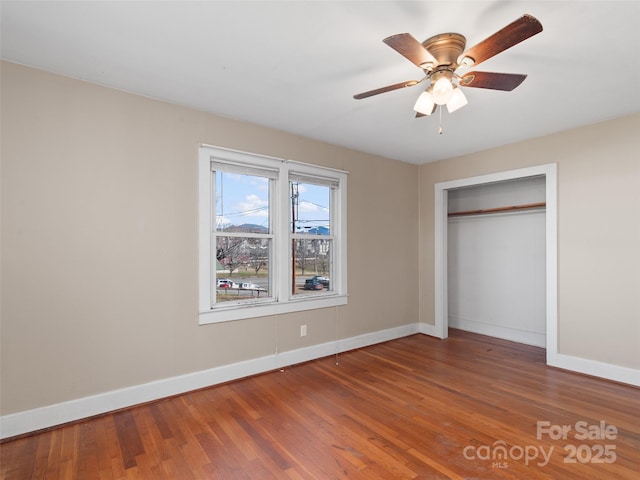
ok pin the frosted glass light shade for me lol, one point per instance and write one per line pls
(457, 101)
(425, 103)
(442, 91)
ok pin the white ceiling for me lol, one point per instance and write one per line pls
(295, 65)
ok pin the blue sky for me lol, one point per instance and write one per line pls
(242, 199)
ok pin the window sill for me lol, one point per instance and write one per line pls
(239, 312)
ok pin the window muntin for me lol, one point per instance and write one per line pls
(267, 254)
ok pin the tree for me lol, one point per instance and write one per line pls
(228, 252)
(258, 254)
(322, 255)
(302, 257)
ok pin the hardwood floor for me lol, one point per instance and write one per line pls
(468, 407)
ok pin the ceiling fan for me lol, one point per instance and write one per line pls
(441, 55)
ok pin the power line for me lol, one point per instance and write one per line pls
(313, 203)
(245, 212)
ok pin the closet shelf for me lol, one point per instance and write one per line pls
(527, 206)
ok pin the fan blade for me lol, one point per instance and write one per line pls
(492, 80)
(388, 88)
(514, 33)
(412, 49)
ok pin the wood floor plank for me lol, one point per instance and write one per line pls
(468, 407)
(128, 437)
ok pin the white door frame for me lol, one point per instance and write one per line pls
(440, 233)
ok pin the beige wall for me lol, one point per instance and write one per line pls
(598, 232)
(99, 242)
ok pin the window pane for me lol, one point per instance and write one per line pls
(242, 268)
(310, 208)
(313, 265)
(242, 203)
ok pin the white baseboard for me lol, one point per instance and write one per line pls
(428, 329)
(498, 331)
(597, 369)
(57, 414)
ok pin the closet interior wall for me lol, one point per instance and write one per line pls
(496, 260)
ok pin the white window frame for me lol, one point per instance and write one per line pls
(280, 300)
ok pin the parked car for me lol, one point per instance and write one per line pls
(323, 280)
(224, 283)
(313, 284)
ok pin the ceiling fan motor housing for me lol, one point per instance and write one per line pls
(446, 48)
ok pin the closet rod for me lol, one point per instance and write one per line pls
(526, 206)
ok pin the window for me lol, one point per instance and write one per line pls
(310, 203)
(243, 234)
(272, 235)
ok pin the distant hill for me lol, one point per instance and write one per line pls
(253, 228)
(319, 231)
(247, 228)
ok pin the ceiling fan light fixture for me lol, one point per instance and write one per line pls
(458, 100)
(425, 103)
(442, 90)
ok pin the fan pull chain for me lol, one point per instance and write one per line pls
(440, 127)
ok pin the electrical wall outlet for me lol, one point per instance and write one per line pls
(303, 330)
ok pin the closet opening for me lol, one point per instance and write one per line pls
(501, 230)
(496, 259)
